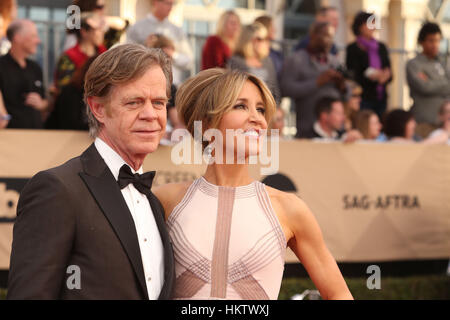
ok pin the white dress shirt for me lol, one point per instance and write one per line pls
(150, 243)
(182, 58)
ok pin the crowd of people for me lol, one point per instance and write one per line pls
(332, 100)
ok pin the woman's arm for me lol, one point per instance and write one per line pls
(308, 244)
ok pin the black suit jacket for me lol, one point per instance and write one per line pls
(75, 214)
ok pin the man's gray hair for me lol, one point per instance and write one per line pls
(120, 65)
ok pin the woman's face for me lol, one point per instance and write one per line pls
(354, 102)
(232, 26)
(374, 126)
(95, 35)
(261, 45)
(367, 32)
(100, 8)
(244, 123)
(410, 129)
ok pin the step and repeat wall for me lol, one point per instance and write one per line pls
(373, 202)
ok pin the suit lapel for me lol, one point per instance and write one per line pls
(106, 192)
(169, 271)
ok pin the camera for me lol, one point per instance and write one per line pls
(347, 74)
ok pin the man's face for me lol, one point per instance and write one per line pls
(135, 116)
(161, 8)
(332, 17)
(336, 117)
(28, 38)
(431, 44)
(323, 38)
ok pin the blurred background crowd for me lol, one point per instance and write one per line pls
(338, 70)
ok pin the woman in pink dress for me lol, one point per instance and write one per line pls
(230, 232)
(218, 48)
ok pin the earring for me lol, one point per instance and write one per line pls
(208, 153)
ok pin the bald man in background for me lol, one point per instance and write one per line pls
(21, 82)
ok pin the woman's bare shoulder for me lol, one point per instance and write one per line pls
(290, 209)
(171, 194)
(287, 200)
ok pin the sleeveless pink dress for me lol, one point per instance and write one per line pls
(228, 243)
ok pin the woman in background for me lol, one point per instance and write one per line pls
(218, 48)
(400, 127)
(252, 55)
(368, 60)
(275, 54)
(69, 112)
(90, 38)
(113, 27)
(352, 106)
(368, 123)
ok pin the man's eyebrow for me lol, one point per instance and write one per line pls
(137, 96)
(131, 97)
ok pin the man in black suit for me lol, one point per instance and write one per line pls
(91, 228)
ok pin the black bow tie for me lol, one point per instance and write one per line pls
(142, 182)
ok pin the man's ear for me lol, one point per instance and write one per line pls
(97, 107)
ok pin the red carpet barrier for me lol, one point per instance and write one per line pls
(374, 202)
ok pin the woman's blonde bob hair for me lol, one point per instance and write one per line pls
(244, 47)
(211, 93)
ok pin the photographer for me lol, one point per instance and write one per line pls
(312, 73)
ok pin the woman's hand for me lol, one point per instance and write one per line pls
(384, 76)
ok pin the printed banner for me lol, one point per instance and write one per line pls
(373, 202)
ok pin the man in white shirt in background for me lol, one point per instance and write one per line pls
(157, 22)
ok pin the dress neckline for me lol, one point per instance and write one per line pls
(211, 189)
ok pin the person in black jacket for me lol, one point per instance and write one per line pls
(368, 61)
(69, 112)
